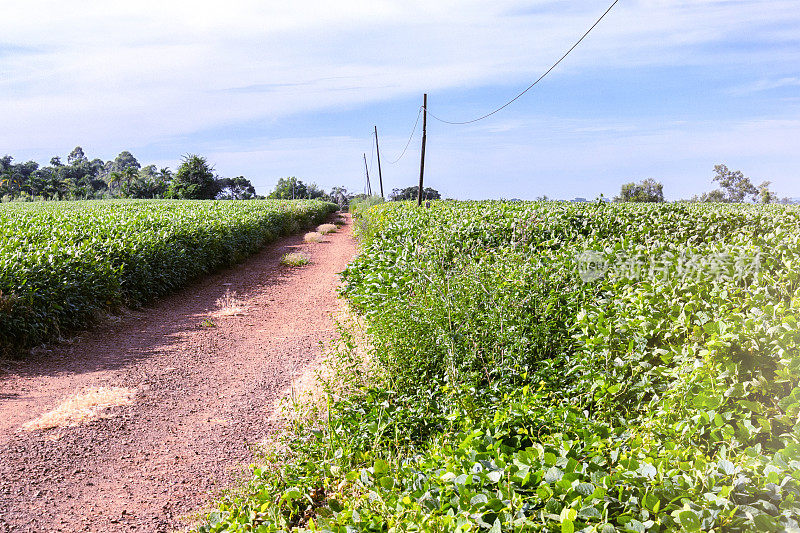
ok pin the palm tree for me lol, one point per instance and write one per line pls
(114, 178)
(130, 174)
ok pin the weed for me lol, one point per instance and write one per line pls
(313, 236)
(82, 408)
(326, 228)
(295, 259)
(229, 304)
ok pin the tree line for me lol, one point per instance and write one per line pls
(293, 188)
(124, 177)
(734, 187)
(81, 178)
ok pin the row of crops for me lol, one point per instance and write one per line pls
(556, 367)
(62, 264)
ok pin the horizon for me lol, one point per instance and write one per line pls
(659, 89)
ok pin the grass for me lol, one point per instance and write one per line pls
(229, 305)
(82, 408)
(295, 259)
(326, 228)
(313, 236)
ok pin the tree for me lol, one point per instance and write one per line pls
(125, 160)
(238, 188)
(10, 182)
(147, 183)
(129, 174)
(314, 193)
(648, 190)
(717, 195)
(734, 184)
(292, 188)
(339, 195)
(148, 172)
(288, 189)
(114, 178)
(735, 187)
(194, 179)
(766, 196)
(76, 155)
(411, 193)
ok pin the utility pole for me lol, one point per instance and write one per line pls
(378, 150)
(424, 136)
(366, 168)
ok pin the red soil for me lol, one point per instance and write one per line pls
(205, 395)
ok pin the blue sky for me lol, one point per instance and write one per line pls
(661, 89)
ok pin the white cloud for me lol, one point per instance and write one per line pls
(116, 75)
(765, 85)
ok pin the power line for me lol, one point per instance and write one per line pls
(414, 130)
(532, 85)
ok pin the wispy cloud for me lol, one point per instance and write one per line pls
(7, 49)
(115, 76)
(765, 85)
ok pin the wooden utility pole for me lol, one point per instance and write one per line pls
(378, 151)
(366, 168)
(424, 136)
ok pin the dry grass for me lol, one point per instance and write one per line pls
(313, 236)
(326, 228)
(344, 369)
(229, 305)
(295, 259)
(82, 408)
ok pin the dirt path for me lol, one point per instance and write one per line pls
(204, 394)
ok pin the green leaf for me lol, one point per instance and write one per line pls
(478, 499)
(380, 467)
(727, 467)
(635, 526)
(292, 493)
(689, 520)
(553, 474)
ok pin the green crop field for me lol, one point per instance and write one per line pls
(62, 263)
(555, 367)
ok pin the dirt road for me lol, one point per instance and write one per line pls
(205, 372)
